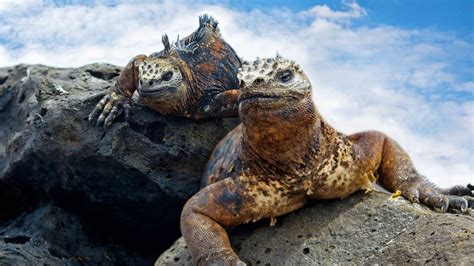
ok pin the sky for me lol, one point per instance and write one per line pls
(403, 67)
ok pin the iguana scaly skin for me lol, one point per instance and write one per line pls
(283, 154)
(195, 77)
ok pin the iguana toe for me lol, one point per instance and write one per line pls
(98, 108)
(458, 204)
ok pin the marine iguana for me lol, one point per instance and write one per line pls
(195, 77)
(283, 154)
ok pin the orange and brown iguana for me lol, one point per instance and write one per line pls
(195, 77)
(283, 154)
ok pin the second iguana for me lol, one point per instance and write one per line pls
(194, 77)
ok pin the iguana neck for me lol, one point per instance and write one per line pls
(287, 139)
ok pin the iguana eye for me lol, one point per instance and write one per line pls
(285, 75)
(258, 81)
(167, 75)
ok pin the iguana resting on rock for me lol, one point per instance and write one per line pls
(196, 77)
(283, 154)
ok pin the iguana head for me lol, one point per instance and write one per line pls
(277, 112)
(273, 89)
(161, 77)
(177, 76)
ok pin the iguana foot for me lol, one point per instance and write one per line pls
(425, 194)
(109, 107)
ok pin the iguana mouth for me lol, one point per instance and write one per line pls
(156, 91)
(264, 97)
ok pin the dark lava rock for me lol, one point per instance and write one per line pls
(364, 229)
(125, 184)
(52, 236)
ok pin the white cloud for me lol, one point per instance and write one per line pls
(12, 5)
(325, 12)
(385, 78)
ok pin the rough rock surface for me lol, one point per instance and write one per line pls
(362, 229)
(125, 185)
(52, 236)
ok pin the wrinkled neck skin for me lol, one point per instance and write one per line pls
(286, 139)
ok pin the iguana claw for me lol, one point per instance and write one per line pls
(109, 107)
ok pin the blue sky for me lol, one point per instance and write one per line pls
(402, 67)
(447, 15)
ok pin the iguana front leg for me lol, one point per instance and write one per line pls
(219, 104)
(119, 96)
(229, 203)
(392, 164)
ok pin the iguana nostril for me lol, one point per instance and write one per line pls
(258, 81)
(150, 83)
(242, 84)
